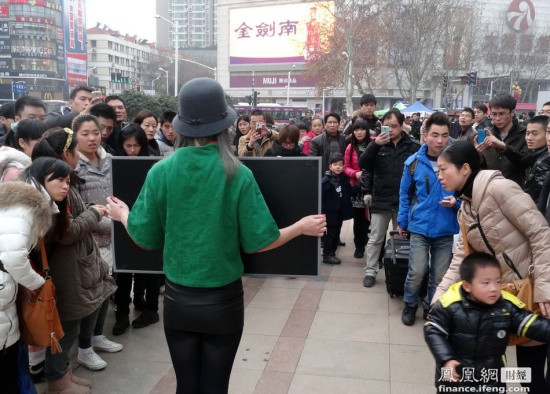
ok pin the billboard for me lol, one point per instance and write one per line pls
(278, 34)
(74, 28)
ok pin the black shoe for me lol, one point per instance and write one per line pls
(408, 316)
(146, 319)
(340, 243)
(331, 260)
(359, 253)
(139, 302)
(37, 371)
(122, 323)
(368, 281)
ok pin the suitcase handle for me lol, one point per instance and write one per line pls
(393, 233)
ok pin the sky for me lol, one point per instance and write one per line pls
(125, 16)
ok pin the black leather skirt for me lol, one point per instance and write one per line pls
(218, 310)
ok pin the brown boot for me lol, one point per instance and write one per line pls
(65, 386)
(76, 379)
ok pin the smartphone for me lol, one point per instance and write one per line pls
(481, 134)
(259, 126)
(97, 94)
(385, 129)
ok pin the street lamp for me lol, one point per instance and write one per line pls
(176, 42)
(213, 69)
(324, 89)
(288, 86)
(161, 69)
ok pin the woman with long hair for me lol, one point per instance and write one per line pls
(500, 219)
(203, 186)
(148, 121)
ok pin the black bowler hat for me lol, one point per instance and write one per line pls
(202, 109)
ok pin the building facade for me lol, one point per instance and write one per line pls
(196, 22)
(118, 62)
(42, 47)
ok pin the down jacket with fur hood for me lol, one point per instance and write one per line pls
(25, 215)
(512, 225)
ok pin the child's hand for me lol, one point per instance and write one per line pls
(453, 364)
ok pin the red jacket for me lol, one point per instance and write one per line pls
(351, 164)
(305, 148)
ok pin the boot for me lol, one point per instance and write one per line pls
(76, 379)
(65, 386)
(122, 323)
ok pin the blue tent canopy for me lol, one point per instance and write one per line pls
(417, 107)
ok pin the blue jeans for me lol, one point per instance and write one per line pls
(431, 255)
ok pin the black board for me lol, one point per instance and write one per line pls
(291, 189)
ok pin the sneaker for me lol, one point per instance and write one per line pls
(331, 260)
(102, 344)
(162, 289)
(122, 323)
(408, 316)
(90, 359)
(37, 371)
(359, 253)
(146, 319)
(368, 281)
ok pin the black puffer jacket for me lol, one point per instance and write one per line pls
(508, 161)
(476, 334)
(382, 167)
(537, 164)
(278, 150)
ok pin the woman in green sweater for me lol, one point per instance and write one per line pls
(203, 206)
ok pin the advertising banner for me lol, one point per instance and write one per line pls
(270, 81)
(74, 27)
(275, 34)
(4, 10)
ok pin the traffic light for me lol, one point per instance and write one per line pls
(255, 98)
(248, 99)
(472, 78)
(445, 83)
(113, 77)
(138, 87)
(464, 80)
(118, 77)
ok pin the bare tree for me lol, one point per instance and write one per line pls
(428, 39)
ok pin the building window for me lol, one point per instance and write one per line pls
(94, 43)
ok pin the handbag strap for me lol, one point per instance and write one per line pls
(506, 258)
(45, 266)
(464, 238)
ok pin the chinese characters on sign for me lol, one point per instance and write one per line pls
(267, 30)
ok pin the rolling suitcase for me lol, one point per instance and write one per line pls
(396, 266)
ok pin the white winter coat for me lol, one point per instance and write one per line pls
(25, 215)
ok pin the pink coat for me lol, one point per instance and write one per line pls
(305, 148)
(351, 164)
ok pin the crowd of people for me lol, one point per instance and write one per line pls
(489, 174)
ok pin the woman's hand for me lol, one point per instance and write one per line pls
(358, 175)
(100, 209)
(448, 201)
(545, 309)
(117, 209)
(314, 225)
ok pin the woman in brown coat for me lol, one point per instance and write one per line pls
(500, 219)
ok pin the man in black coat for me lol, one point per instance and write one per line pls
(382, 165)
(416, 124)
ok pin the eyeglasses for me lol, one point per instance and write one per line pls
(69, 138)
(288, 143)
(495, 115)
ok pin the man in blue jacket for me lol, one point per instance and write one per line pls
(428, 212)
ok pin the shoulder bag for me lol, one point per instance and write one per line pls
(39, 322)
(522, 288)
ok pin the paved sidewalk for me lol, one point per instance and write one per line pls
(324, 335)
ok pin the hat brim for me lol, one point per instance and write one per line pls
(204, 129)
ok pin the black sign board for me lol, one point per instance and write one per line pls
(290, 187)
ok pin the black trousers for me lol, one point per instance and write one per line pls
(202, 362)
(8, 366)
(151, 284)
(330, 241)
(360, 228)
(534, 357)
